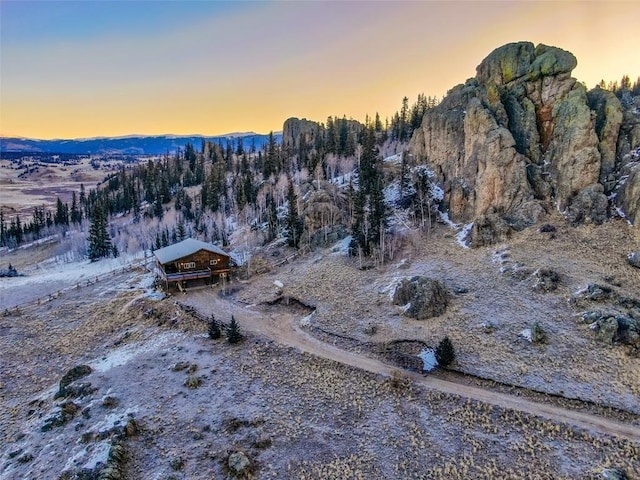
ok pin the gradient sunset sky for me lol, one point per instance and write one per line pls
(91, 68)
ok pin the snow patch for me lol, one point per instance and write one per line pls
(342, 247)
(429, 361)
(306, 321)
(526, 334)
(395, 159)
(621, 214)
(461, 237)
(122, 356)
(391, 288)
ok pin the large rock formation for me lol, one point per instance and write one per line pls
(296, 130)
(524, 135)
(302, 132)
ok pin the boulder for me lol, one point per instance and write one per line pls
(588, 206)
(71, 376)
(605, 329)
(545, 280)
(614, 474)
(238, 463)
(489, 229)
(422, 297)
(628, 331)
(634, 259)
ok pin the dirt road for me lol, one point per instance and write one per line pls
(284, 328)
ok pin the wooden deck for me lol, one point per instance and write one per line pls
(193, 275)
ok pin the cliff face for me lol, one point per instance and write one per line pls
(523, 135)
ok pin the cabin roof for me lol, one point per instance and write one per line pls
(185, 248)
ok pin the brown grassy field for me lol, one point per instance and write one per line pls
(19, 194)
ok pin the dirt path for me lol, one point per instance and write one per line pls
(285, 328)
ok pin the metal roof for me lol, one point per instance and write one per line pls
(185, 248)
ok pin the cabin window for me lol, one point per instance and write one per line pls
(213, 262)
(188, 265)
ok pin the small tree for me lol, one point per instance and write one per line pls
(214, 328)
(445, 354)
(233, 331)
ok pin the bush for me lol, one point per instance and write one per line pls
(538, 335)
(445, 354)
(233, 331)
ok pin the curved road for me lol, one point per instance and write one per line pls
(284, 328)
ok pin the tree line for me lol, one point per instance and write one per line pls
(203, 186)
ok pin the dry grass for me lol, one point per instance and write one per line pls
(573, 364)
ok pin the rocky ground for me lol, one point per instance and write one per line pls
(161, 400)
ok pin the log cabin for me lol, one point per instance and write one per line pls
(192, 262)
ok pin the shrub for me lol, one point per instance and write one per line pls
(214, 329)
(538, 335)
(445, 354)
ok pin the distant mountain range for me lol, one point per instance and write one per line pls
(129, 145)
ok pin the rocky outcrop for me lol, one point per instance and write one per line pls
(627, 194)
(609, 114)
(524, 135)
(296, 130)
(297, 133)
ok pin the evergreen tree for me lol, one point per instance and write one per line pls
(3, 230)
(62, 213)
(445, 354)
(181, 231)
(272, 217)
(214, 328)
(76, 214)
(99, 240)
(377, 211)
(359, 225)
(294, 222)
(233, 331)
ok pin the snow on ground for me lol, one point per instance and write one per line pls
(343, 180)
(463, 232)
(52, 276)
(124, 355)
(526, 334)
(392, 193)
(342, 247)
(429, 361)
(52, 271)
(462, 236)
(397, 158)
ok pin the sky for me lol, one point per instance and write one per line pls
(74, 69)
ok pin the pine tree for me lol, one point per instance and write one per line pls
(272, 217)
(445, 354)
(76, 215)
(99, 240)
(233, 331)
(294, 222)
(62, 213)
(214, 328)
(3, 230)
